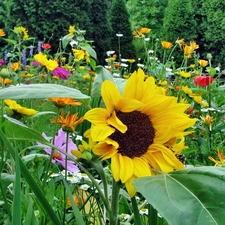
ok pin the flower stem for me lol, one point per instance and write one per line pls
(137, 218)
(113, 217)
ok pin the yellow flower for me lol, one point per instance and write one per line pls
(185, 74)
(69, 123)
(203, 63)
(166, 44)
(208, 120)
(2, 33)
(131, 60)
(189, 49)
(71, 30)
(81, 54)
(15, 66)
(49, 64)
(221, 162)
(135, 127)
(141, 32)
(24, 31)
(18, 108)
(180, 42)
(62, 102)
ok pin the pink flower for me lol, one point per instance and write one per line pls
(2, 62)
(61, 73)
(60, 142)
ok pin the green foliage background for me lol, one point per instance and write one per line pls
(201, 21)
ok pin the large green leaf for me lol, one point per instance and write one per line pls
(42, 91)
(192, 196)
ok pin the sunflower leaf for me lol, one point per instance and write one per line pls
(191, 196)
(42, 91)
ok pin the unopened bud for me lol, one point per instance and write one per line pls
(209, 56)
(4, 73)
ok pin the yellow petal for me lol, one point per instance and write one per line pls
(129, 105)
(130, 188)
(99, 133)
(141, 167)
(106, 149)
(110, 95)
(115, 122)
(126, 168)
(97, 116)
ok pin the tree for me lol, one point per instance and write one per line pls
(213, 28)
(101, 34)
(120, 23)
(49, 20)
(147, 14)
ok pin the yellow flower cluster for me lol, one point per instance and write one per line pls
(48, 63)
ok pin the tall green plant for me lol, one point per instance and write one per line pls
(120, 23)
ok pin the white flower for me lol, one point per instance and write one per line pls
(143, 211)
(79, 138)
(147, 39)
(125, 216)
(150, 51)
(84, 187)
(140, 65)
(124, 65)
(119, 35)
(109, 53)
(124, 60)
(73, 42)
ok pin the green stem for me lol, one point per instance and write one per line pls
(137, 218)
(52, 153)
(113, 217)
(152, 213)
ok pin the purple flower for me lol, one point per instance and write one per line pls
(60, 142)
(31, 50)
(61, 73)
(24, 58)
(6, 55)
(36, 63)
(2, 62)
(39, 47)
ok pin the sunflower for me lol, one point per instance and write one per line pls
(137, 129)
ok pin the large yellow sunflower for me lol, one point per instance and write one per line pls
(137, 130)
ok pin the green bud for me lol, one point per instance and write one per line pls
(4, 73)
(209, 56)
(8, 111)
(87, 155)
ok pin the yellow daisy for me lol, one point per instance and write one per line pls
(2, 33)
(135, 128)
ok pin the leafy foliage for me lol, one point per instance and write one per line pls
(121, 25)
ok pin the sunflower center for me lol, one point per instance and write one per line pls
(138, 137)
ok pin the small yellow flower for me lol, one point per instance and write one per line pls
(203, 63)
(23, 31)
(81, 54)
(18, 108)
(180, 42)
(49, 64)
(166, 44)
(185, 74)
(131, 60)
(208, 120)
(71, 30)
(2, 33)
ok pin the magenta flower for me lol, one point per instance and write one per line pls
(61, 73)
(60, 142)
(35, 63)
(2, 62)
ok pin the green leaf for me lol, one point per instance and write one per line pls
(66, 39)
(90, 50)
(192, 196)
(32, 91)
(10, 41)
(7, 179)
(211, 71)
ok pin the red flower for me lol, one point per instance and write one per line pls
(203, 81)
(46, 46)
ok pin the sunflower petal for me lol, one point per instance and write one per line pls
(141, 167)
(99, 133)
(126, 168)
(129, 105)
(97, 116)
(116, 122)
(130, 188)
(110, 95)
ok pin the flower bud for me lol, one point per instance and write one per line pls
(87, 155)
(209, 56)
(8, 111)
(4, 73)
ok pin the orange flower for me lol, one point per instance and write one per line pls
(15, 66)
(62, 102)
(141, 32)
(69, 123)
(6, 80)
(2, 33)
(180, 42)
(221, 161)
(166, 44)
